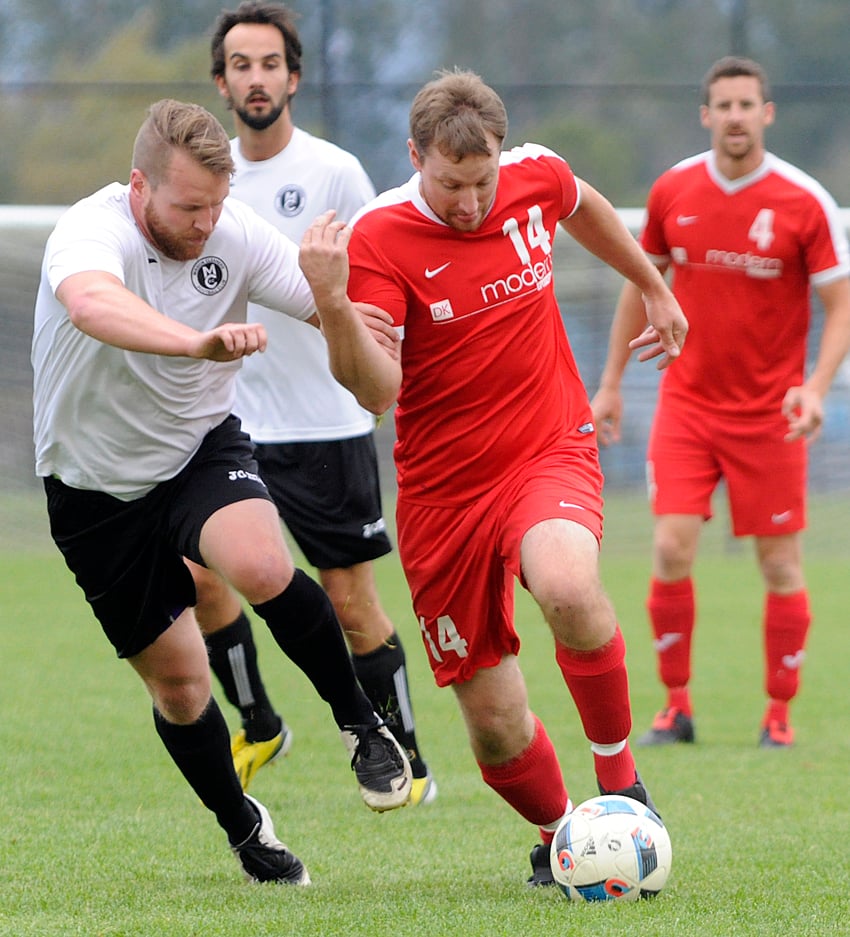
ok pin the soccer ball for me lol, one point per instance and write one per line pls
(611, 848)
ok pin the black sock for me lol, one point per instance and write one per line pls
(383, 675)
(202, 753)
(304, 624)
(233, 659)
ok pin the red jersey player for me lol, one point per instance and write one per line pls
(497, 459)
(746, 236)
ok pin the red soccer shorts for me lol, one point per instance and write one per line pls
(461, 561)
(690, 451)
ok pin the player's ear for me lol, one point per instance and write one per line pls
(769, 113)
(221, 84)
(415, 159)
(138, 182)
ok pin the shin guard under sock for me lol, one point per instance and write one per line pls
(233, 659)
(672, 614)
(786, 626)
(202, 753)
(532, 782)
(304, 624)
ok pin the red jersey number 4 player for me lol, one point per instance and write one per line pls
(747, 236)
(496, 456)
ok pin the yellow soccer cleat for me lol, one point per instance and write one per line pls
(249, 757)
(423, 791)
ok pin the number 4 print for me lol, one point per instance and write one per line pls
(536, 234)
(761, 230)
(448, 638)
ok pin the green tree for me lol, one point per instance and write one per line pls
(81, 138)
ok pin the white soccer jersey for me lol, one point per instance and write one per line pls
(119, 421)
(289, 393)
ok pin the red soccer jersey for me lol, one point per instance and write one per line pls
(489, 380)
(744, 254)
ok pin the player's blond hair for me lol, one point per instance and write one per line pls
(454, 113)
(172, 125)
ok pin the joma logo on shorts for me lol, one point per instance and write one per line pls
(240, 474)
(378, 527)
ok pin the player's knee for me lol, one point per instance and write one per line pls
(181, 700)
(261, 577)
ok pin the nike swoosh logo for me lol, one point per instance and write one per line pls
(569, 504)
(432, 273)
(780, 518)
(686, 219)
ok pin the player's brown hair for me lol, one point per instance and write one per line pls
(256, 11)
(454, 113)
(172, 125)
(735, 66)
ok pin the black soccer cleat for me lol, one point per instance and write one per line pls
(380, 764)
(264, 858)
(541, 869)
(637, 792)
(671, 725)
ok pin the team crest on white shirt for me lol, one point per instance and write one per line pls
(290, 200)
(209, 275)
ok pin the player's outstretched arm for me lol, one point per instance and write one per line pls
(100, 305)
(599, 229)
(369, 367)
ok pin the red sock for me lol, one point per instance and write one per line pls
(672, 614)
(679, 697)
(786, 626)
(599, 684)
(532, 782)
(777, 711)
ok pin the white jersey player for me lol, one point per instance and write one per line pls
(315, 444)
(140, 329)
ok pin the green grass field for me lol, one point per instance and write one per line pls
(102, 837)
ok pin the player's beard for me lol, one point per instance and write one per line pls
(260, 121)
(166, 242)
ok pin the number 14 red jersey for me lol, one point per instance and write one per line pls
(489, 380)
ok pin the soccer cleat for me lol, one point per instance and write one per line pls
(637, 792)
(382, 769)
(541, 869)
(776, 734)
(669, 726)
(264, 858)
(249, 757)
(423, 791)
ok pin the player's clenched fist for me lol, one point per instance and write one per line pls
(230, 341)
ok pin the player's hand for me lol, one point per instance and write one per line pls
(380, 324)
(664, 337)
(803, 408)
(229, 342)
(607, 407)
(324, 258)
